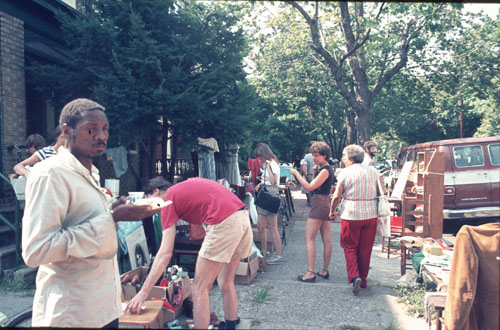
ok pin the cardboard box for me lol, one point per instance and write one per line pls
(129, 291)
(247, 269)
(185, 282)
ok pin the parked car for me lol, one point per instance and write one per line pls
(471, 178)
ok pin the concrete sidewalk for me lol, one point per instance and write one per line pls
(325, 303)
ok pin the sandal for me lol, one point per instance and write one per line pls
(326, 276)
(301, 278)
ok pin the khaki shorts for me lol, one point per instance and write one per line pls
(230, 239)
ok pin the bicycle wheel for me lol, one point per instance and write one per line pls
(21, 320)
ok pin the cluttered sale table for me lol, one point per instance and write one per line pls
(432, 259)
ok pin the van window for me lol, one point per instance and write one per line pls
(401, 159)
(410, 156)
(494, 151)
(468, 156)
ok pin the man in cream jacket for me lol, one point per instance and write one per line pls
(69, 230)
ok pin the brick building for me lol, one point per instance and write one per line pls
(29, 32)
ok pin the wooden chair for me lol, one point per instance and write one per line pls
(396, 229)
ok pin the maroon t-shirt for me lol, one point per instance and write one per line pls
(199, 201)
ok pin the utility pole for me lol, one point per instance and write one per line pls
(461, 104)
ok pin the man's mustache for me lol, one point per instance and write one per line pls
(99, 143)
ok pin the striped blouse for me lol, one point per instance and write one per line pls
(360, 192)
(46, 152)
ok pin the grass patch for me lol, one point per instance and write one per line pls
(261, 294)
(414, 298)
(391, 326)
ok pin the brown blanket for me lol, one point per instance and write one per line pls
(473, 291)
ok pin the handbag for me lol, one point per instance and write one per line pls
(267, 201)
(383, 207)
(384, 226)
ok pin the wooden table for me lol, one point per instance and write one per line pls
(435, 276)
(405, 254)
(439, 303)
(147, 317)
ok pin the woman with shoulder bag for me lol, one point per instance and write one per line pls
(269, 219)
(357, 185)
(318, 218)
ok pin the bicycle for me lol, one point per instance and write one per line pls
(20, 320)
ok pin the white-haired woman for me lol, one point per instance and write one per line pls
(357, 185)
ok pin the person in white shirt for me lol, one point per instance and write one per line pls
(23, 168)
(307, 168)
(69, 229)
(270, 179)
(370, 148)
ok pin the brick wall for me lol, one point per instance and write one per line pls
(12, 87)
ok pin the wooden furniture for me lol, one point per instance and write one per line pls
(421, 203)
(439, 302)
(422, 212)
(396, 227)
(405, 255)
(147, 317)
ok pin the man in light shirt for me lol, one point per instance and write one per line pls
(370, 148)
(69, 229)
(307, 168)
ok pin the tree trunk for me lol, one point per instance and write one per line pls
(350, 126)
(363, 125)
(361, 97)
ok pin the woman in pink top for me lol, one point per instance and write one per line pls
(357, 185)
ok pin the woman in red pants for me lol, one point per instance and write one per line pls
(357, 185)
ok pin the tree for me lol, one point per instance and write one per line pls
(303, 106)
(158, 67)
(365, 47)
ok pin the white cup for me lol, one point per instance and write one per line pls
(113, 185)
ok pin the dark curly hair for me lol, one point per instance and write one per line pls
(156, 182)
(321, 148)
(36, 141)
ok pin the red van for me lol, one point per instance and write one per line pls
(471, 178)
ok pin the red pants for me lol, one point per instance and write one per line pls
(356, 238)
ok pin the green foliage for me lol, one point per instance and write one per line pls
(261, 294)
(391, 326)
(301, 101)
(9, 284)
(414, 298)
(451, 58)
(151, 62)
